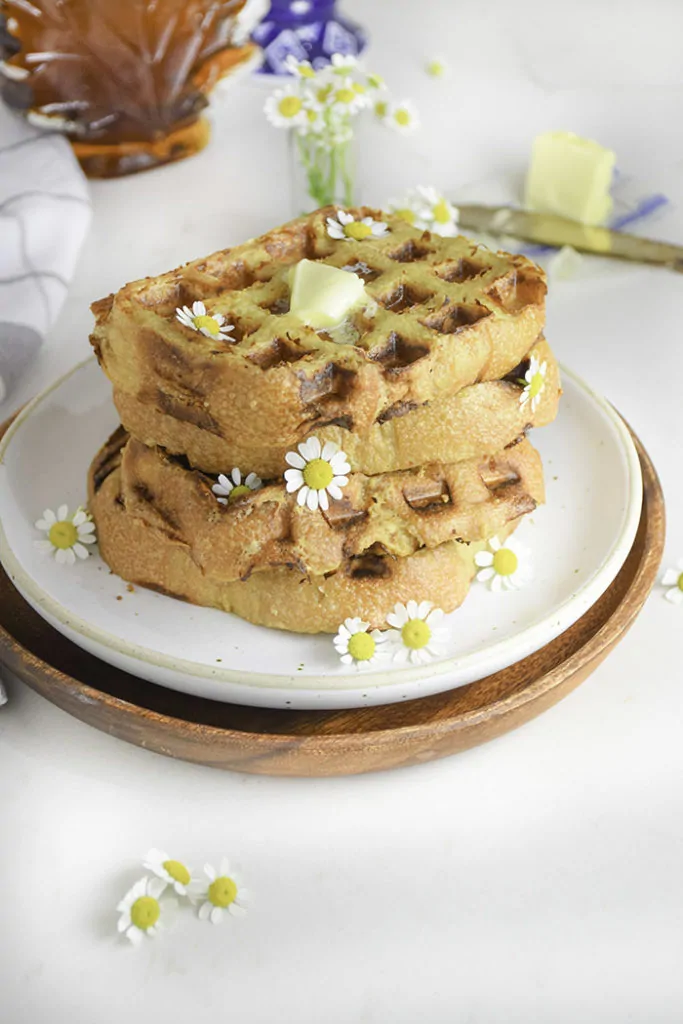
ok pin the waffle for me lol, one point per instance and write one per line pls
(443, 314)
(379, 518)
(481, 419)
(282, 597)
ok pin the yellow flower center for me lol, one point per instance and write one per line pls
(375, 81)
(357, 230)
(402, 117)
(177, 871)
(306, 71)
(505, 562)
(361, 646)
(318, 474)
(406, 215)
(416, 634)
(239, 492)
(345, 95)
(145, 912)
(311, 115)
(680, 582)
(435, 68)
(323, 93)
(222, 892)
(289, 106)
(207, 323)
(359, 88)
(381, 108)
(63, 535)
(536, 384)
(441, 213)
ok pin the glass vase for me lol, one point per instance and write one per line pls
(321, 175)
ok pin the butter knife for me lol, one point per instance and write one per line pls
(549, 229)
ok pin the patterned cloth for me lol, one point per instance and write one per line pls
(44, 218)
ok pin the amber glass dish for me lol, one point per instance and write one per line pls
(126, 80)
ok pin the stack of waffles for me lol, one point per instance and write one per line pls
(429, 388)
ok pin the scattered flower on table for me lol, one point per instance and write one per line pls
(211, 325)
(534, 381)
(417, 634)
(173, 872)
(231, 487)
(223, 893)
(67, 536)
(437, 67)
(357, 645)
(564, 264)
(402, 117)
(427, 209)
(317, 471)
(673, 580)
(142, 911)
(345, 225)
(504, 566)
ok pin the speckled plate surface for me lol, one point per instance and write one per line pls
(579, 541)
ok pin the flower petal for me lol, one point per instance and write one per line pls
(80, 551)
(62, 512)
(204, 911)
(216, 915)
(302, 495)
(669, 579)
(135, 935)
(483, 558)
(323, 500)
(296, 460)
(312, 499)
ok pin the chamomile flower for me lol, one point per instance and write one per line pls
(66, 535)
(504, 566)
(142, 912)
(285, 108)
(673, 580)
(299, 68)
(317, 471)
(417, 634)
(211, 325)
(314, 123)
(173, 872)
(348, 97)
(376, 82)
(343, 64)
(356, 644)
(535, 383)
(427, 209)
(437, 67)
(345, 225)
(223, 892)
(230, 488)
(402, 117)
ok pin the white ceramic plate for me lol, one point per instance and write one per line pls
(579, 541)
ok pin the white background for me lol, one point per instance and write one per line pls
(536, 879)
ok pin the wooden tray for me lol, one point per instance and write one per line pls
(316, 743)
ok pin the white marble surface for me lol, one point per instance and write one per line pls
(537, 879)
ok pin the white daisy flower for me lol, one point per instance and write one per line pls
(172, 872)
(402, 117)
(315, 121)
(380, 109)
(66, 535)
(231, 487)
(348, 97)
(535, 383)
(285, 108)
(504, 566)
(223, 892)
(673, 579)
(417, 633)
(345, 225)
(441, 216)
(356, 644)
(210, 325)
(299, 68)
(437, 67)
(318, 471)
(343, 64)
(427, 209)
(142, 912)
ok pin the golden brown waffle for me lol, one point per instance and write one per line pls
(444, 314)
(282, 598)
(379, 519)
(481, 419)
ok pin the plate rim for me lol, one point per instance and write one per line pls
(344, 685)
